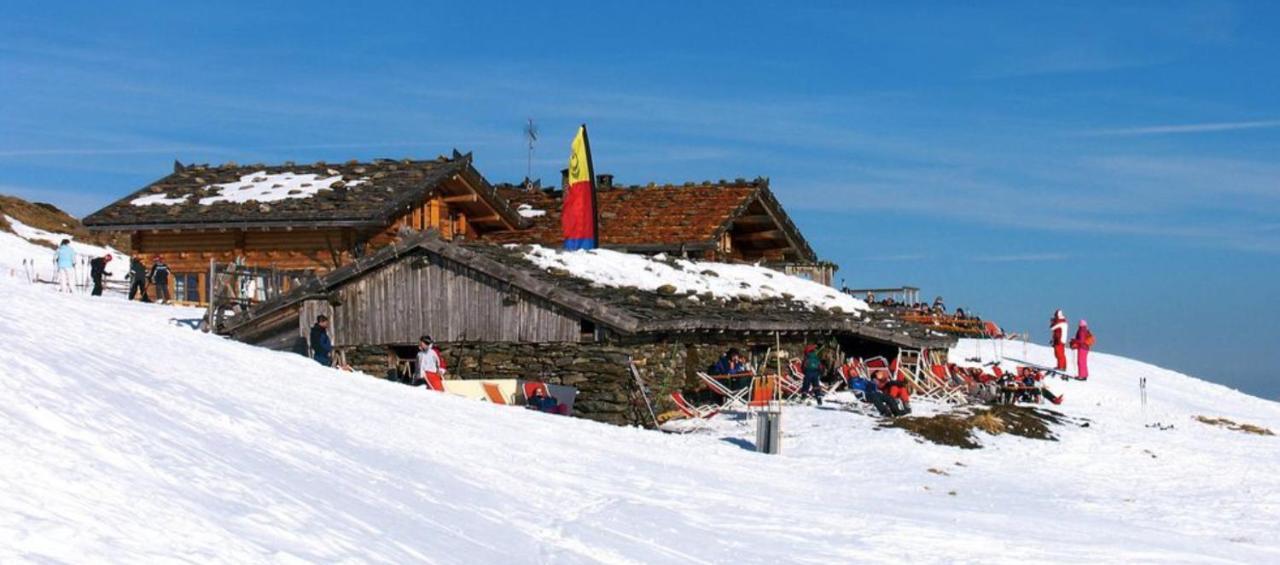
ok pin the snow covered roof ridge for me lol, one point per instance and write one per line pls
(351, 194)
(694, 280)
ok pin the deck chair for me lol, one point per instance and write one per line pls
(790, 387)
(435, 382)
(528, 388)
(733, 399)
(494, 394)
(699, 415)
(762, 391)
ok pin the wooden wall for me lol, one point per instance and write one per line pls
(412, 297)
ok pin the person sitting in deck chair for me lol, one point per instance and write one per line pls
(1032, 377)
(431, 368)
(541, 401)
(733, 363)
(890, 396)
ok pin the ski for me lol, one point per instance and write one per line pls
(1062, 374)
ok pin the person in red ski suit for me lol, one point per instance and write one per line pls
(1082, 343)
(1058, 329)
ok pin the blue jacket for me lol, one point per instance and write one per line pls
(321, 345)
(726, 367)
(66, 257)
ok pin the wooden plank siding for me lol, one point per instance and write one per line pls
(451, 303)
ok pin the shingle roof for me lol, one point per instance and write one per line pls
(691, 215)
(367, 193)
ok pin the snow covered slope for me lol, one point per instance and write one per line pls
(21, 257)
(127, 437)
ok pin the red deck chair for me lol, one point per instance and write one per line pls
(434, 382)
(699, 415)
(529, 387)
(494, 394)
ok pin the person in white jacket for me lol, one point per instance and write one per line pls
(1058, 329)
(430, 364)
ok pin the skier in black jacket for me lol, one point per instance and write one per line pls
(160, 278)
(138, 280)
(97, 270)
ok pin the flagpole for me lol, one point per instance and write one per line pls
(591, 175)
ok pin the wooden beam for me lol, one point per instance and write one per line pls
(489, 218)
(469, 197)
(760, 235)
(753, 219)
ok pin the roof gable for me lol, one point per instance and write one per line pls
(692, 216)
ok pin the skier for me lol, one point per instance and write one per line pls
(1082, 343)
(65, 258)
(138, 280)
(160, 278)
(97, 270)
(812, 369)
(321, 345)
(431, 365)
(1058, 327)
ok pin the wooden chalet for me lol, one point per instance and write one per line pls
(496, 314)
(738, 220)
(299, 219)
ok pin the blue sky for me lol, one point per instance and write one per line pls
(1119, 161)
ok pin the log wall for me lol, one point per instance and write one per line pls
(404, 300)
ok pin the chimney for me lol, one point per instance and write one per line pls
(604, 182)
(564, 179)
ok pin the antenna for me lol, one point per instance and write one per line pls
(530, 135)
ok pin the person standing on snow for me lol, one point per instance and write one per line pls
(1082, 343)
(137, 280)
(321, 345)
(430, 364)
(65, 259)
(160, 278)
(811, 366)
(1058, 329)
(97, 270)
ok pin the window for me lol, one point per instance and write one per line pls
(186, 287)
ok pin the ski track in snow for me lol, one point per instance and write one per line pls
(127, 438)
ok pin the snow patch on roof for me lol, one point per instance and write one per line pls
(270, 187)
(161, 199)
(528, 211)
(722, 280)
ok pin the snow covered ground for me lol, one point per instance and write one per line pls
(19, 247)
(127, 436)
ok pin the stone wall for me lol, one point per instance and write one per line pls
(606, 390)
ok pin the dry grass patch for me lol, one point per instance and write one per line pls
(41, 215)
(956, 428)
(1238, 427)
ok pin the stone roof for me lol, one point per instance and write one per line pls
(654, 217)
(626, 310)
(354, 194)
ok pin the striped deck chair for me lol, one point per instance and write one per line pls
(733, 399)
(699, 415)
